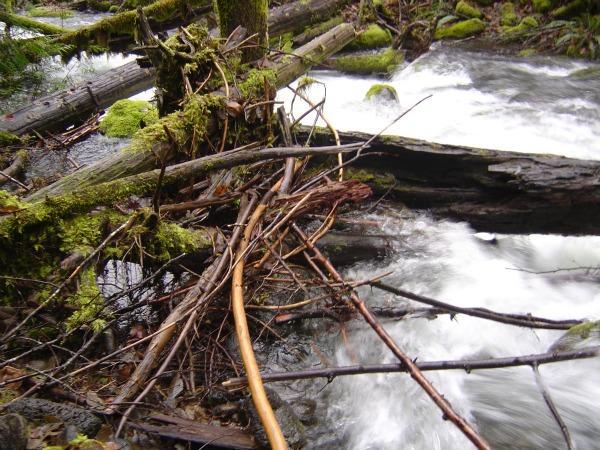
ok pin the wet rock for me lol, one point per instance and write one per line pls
(38, 409)
(461, 30)
(13, 432)
(305, 409)
(382, 91)
(579, 336)
(465, 9)
(291, 426)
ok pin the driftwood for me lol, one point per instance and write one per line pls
(492, 190)
(132, 162)
(63, 108)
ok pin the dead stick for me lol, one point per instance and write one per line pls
(412, 368)
(522, 320)
(466, 364)
(552, 407)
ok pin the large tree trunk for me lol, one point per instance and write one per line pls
(492, 190)
(129, 162)
(63, 108)
(249, 14)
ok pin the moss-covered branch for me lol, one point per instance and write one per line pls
(31, 24)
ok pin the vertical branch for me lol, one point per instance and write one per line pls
(552, 407)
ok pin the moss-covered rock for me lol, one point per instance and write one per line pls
(570, 9)
(508, 16)
(528, 23)
(49, 11)
(378, 63)
(465, 9)
(373, 37)
(382, 92)
(527, 52)
(587, 73)
(461, 30)
(542, 6)
(126, 117)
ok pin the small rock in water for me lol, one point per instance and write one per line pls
(292, 428)
(382, 92)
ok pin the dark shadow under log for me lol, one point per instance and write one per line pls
(496, 191)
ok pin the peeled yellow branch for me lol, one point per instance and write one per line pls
(257, 390)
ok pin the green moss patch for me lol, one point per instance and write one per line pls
(382, 91)
(49, 11)
(541, 6)
(465, 9)
(528, 23)
(508, 16)
(126, 117)
(373, 37)
(461, 30)
(569, 10)
(7, 138)
(379, 63)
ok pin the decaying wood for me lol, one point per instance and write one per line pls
(492, 190)
(192, 431)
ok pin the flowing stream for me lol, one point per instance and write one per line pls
(535, 105)
(531, 105)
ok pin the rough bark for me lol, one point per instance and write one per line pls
(131, 162)
(249, 14)
(66, 107)
(492, 190)
(295, 16)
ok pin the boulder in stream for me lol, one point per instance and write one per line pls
(382, 91)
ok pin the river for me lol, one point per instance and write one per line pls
(532, 105)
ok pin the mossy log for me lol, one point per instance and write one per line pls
(139, 157)
(495, 191)
(143, 184)
(68, 106)
(31, 24)
(55, 111)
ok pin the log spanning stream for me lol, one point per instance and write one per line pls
(535, 105)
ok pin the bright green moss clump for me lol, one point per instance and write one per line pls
(467, 10)
(373, 37)
(49, 11)
(89, 302)
(381, 91)
(528, 23)
(126, 117)
(461, 30)
(7, 138)
(508, 17)
(9, 202)
(382, 63)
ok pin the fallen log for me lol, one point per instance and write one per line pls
(63, 108)
(66, 107)
(493, 190)
(31, 24)
(139, 159)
